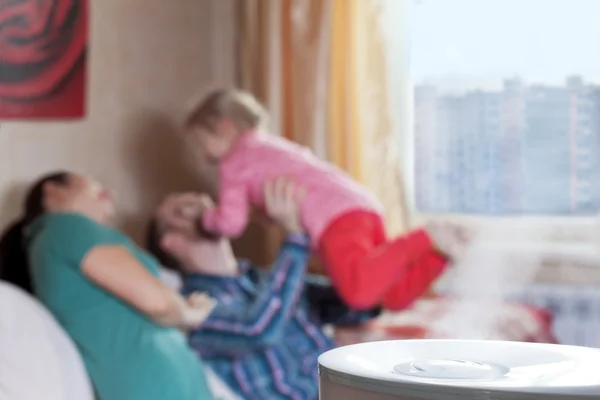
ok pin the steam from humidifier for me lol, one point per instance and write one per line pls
(498, 264)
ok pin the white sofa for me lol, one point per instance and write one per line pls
(38, 360)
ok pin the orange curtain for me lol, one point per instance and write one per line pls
(344, 127)
(363, 129)
(283, 62)
(255, 46)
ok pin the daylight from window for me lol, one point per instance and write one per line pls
(507, 106)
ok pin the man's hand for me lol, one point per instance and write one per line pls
(282, 199)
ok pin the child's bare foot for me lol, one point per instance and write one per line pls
(449, 238)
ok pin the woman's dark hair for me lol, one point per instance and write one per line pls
(14, 265)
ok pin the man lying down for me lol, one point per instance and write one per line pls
(262, 338)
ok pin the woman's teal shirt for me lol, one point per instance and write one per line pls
(127, 356)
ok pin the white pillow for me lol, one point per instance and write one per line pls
(219, 389)
(37, 358)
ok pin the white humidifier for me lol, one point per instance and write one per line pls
(459, 369)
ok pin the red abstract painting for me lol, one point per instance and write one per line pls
(43, 46)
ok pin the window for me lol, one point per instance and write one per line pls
(507, 101)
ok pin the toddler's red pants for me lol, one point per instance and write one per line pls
(368, 270)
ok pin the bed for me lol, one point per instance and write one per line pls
(507, 321)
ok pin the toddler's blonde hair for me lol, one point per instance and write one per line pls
(239, 106)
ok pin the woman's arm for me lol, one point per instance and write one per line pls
(117, 271)
(101, 255)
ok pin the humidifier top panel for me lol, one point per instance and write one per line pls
(464, 364)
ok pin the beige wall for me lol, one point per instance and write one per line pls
(147, 58)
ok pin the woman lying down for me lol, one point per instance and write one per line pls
(104, 291)
(261, 338)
